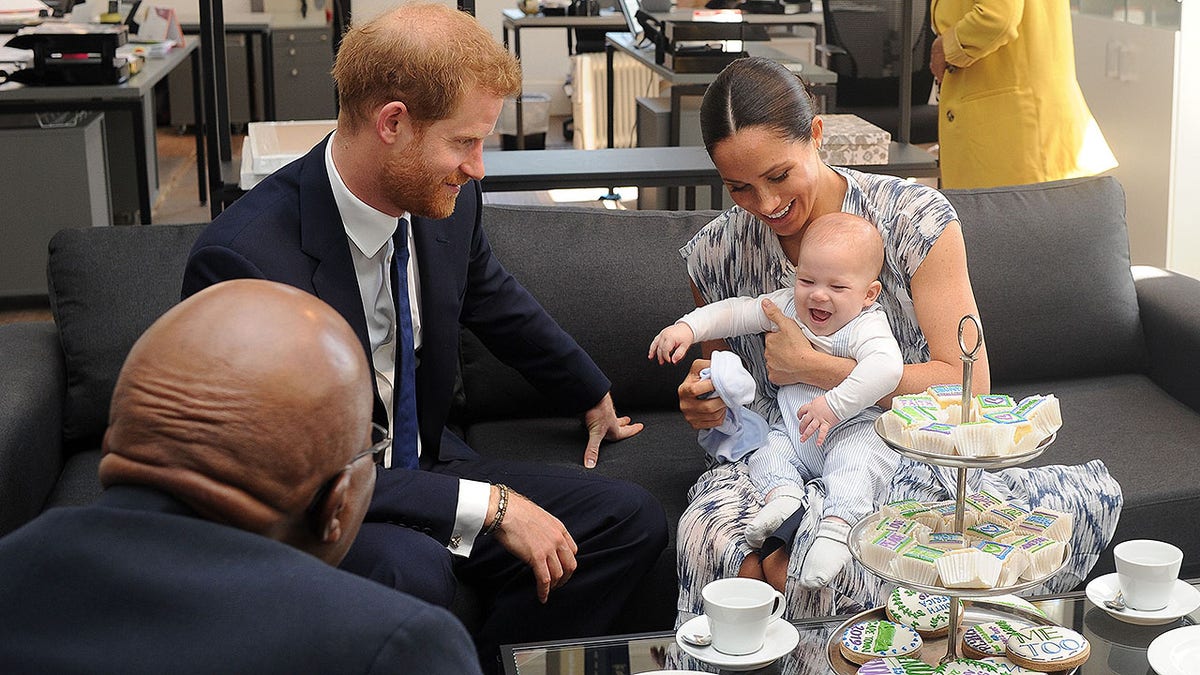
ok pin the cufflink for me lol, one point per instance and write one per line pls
(455, 541)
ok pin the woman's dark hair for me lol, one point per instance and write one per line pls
(754, 91)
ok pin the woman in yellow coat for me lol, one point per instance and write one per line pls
(1011, 111)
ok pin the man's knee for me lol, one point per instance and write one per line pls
(405, 560)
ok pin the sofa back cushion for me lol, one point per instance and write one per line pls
(612, 279)
(107, 285)
(1050, 267)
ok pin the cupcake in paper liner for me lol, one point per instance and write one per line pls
(935, 439)
(945, 511)
(986, 532)
(1045, 555)
(1013, 562)
(968, 568)
(882, 547)
(946, 541)
(986, 404)
(982, 439)
(1047, 523)
(910, 528)
(1024, 437)
(1042, 411)
(916, 565)
(900, 421)
(1008, 515)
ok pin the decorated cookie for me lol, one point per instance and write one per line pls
(901, 665)
(1007, 667)
(989, 639)
(966, 667)
(868, 640)
(928, 614)
(1047, 648)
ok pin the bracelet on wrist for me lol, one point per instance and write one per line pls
(501, 508)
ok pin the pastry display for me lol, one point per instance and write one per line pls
(932, 422)
(867, 640)
(925, 613)
(1047, 648)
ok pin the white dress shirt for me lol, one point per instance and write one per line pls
(370, 234)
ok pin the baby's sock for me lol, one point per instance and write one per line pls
(827, 555)
(783, 502)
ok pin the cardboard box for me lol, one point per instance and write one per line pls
(851, 140)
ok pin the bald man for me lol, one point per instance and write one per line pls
(234, 482)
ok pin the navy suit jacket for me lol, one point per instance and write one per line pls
(288, 229)
(137, 583)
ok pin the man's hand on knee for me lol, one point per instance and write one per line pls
(538, 538)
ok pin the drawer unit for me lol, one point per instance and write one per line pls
(303, 86)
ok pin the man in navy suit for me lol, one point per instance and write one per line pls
(382, 221)
(233, 483)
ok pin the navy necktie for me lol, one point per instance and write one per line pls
(404, 395)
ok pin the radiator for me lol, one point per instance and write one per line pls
(589, 99)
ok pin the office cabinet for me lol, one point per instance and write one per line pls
(237, 64)
(67, 186)
(303, 86)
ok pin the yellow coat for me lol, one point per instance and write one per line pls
(1011, 111)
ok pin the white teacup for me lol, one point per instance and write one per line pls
(1146, 572)
(739, 611)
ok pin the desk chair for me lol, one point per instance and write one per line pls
(863, 46)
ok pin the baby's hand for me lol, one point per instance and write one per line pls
(816, 418)
(672, 343)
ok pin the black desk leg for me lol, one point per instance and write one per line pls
(609, 53)
(268, 64)
(198, 116)
(140, 161)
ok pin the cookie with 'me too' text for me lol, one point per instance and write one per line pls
(1048, 648)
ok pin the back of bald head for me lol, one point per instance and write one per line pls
(849, 231)
(240, 401)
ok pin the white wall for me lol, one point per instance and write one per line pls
(1183, 238)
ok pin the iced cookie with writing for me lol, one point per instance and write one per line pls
(989, 639)
(966, 667)
(928, 614)
(1007, 667)
(868, 640)
(1047, 648)
(896, 665)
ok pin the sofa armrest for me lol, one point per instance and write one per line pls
(31, 405)
(1169, 304)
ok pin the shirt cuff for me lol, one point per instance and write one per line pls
(473, 497)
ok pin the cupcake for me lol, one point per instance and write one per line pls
(985, 404)
(1041, 411)
(1047, 523)
(1013, 563)
(1006, 515)
(946, 541)
(986, 532)
(1045, 555)
(917, 564)
(934, 438)
(879, 551)
(904, 526)
(968, 568)
(982, 439)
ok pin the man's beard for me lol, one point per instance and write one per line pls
(419, 191)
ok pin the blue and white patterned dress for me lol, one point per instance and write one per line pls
(736, 254)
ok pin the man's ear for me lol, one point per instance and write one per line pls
(394, 124)
(873, 292)
(326, 523)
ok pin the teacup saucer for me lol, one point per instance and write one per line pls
(782, 638)
(1184, 600)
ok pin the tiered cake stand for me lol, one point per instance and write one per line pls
(983, 609)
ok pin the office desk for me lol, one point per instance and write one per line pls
(515, 20)
(134, 97)
(822, 82)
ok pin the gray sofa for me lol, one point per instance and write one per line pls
(1061, 310)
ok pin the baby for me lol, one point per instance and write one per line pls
(824, 434)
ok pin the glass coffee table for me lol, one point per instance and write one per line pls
(1117, 647)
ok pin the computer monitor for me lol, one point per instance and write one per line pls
(630, 9)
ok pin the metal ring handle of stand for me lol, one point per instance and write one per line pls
(968, 361)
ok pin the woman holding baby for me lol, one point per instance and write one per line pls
(759, 127)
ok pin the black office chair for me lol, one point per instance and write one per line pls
(863, 46)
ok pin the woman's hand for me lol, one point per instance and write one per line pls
(937, 59)
(787, 348)
(699, 411)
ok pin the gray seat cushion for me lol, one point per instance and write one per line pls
(102, 302)
(1085, 320)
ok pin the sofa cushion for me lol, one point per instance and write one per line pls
(107, 285)
(1145, 437)
(1071, 248)
(613, 309)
